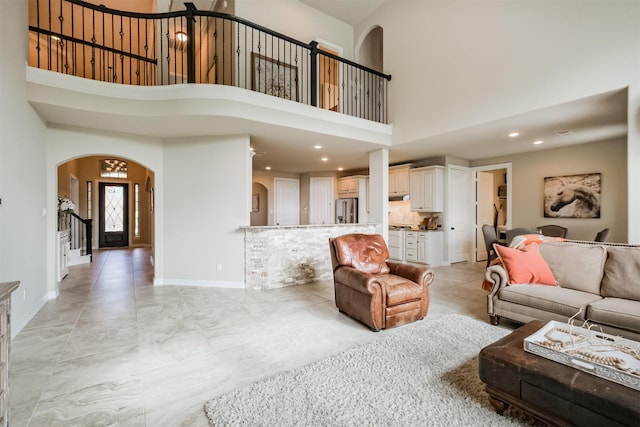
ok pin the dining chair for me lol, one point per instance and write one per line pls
(602, 235)
(518, 231)
(553, 230)
(490, 237)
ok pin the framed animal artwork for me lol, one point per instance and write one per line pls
(572, 196)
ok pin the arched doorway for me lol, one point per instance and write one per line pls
(371, 51)
(259, 205)
(112, 200)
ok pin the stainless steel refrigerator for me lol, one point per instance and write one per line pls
(346, 211)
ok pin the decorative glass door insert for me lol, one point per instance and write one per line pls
(114, 214)
(114, 208)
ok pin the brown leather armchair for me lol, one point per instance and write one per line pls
(379, 293)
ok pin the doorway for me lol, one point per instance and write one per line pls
(493, 202)
(287, 201)
(113, 208)
(458, 220)
(321, 201)
(329, 77)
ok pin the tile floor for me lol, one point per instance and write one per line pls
(114, 350)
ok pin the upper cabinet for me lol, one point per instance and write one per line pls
(353, 186)
(399, 180)
(348, 186)
(427, 189)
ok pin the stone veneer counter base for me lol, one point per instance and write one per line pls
(280, 256)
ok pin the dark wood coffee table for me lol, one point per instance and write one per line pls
(550, 391)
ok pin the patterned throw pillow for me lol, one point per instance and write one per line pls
(525, 266)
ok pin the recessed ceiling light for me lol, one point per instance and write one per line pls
(514, 134)
(317, 147)
(268, 168)
(340, 169)
(538, 142)
(324, 159)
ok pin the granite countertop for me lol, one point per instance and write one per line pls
(413, 228)
(276, 227)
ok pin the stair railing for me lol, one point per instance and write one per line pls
(193, 46)
(81, 231)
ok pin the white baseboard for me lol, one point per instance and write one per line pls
(201, 283)
(17, 324)
(84, 259)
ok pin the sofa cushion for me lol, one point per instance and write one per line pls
(574, 265)
(525, 266)
(565, 302)
(365, 252)
(616, 312)
(622, 273)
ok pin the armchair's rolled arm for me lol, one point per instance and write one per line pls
(497, 276)
(420, 275)
(357, 280)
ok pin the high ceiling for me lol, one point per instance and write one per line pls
(596, 118)
(600, 117)
(350, 11)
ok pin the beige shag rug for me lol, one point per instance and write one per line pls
(424, 374)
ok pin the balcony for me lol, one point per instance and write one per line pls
(191, 46)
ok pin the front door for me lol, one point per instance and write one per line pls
(114, 215)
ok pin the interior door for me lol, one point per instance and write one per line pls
(321, 203)
(459, 213)
(113, 205)
(287, 201)
(329, 76)
(484, 210)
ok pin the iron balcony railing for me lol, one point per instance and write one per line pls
(193, 46)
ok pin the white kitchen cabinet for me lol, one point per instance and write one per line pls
(427, 189)
(62, 252)
(396, 244)
(348, 185)
(430, 247)
(399, 180)
(352, 186)
(411, 246)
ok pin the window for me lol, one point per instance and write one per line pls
(89, 199)
(113, 168)
(136, 211)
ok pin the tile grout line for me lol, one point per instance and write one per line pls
(75, 323)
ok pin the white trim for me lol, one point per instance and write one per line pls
(508, 167)
(17, 324)
(338, 49)
(201, 283)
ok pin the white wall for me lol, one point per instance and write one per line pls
(22, 174)
(475, 62)
(64, 144)
(529, 171)
(297, 20)
(206, 183)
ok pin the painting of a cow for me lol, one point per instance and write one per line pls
(572, 196)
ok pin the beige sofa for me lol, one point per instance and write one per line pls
(598, 283)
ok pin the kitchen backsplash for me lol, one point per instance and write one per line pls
(400, 213)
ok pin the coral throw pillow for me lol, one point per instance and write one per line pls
(525, 266)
